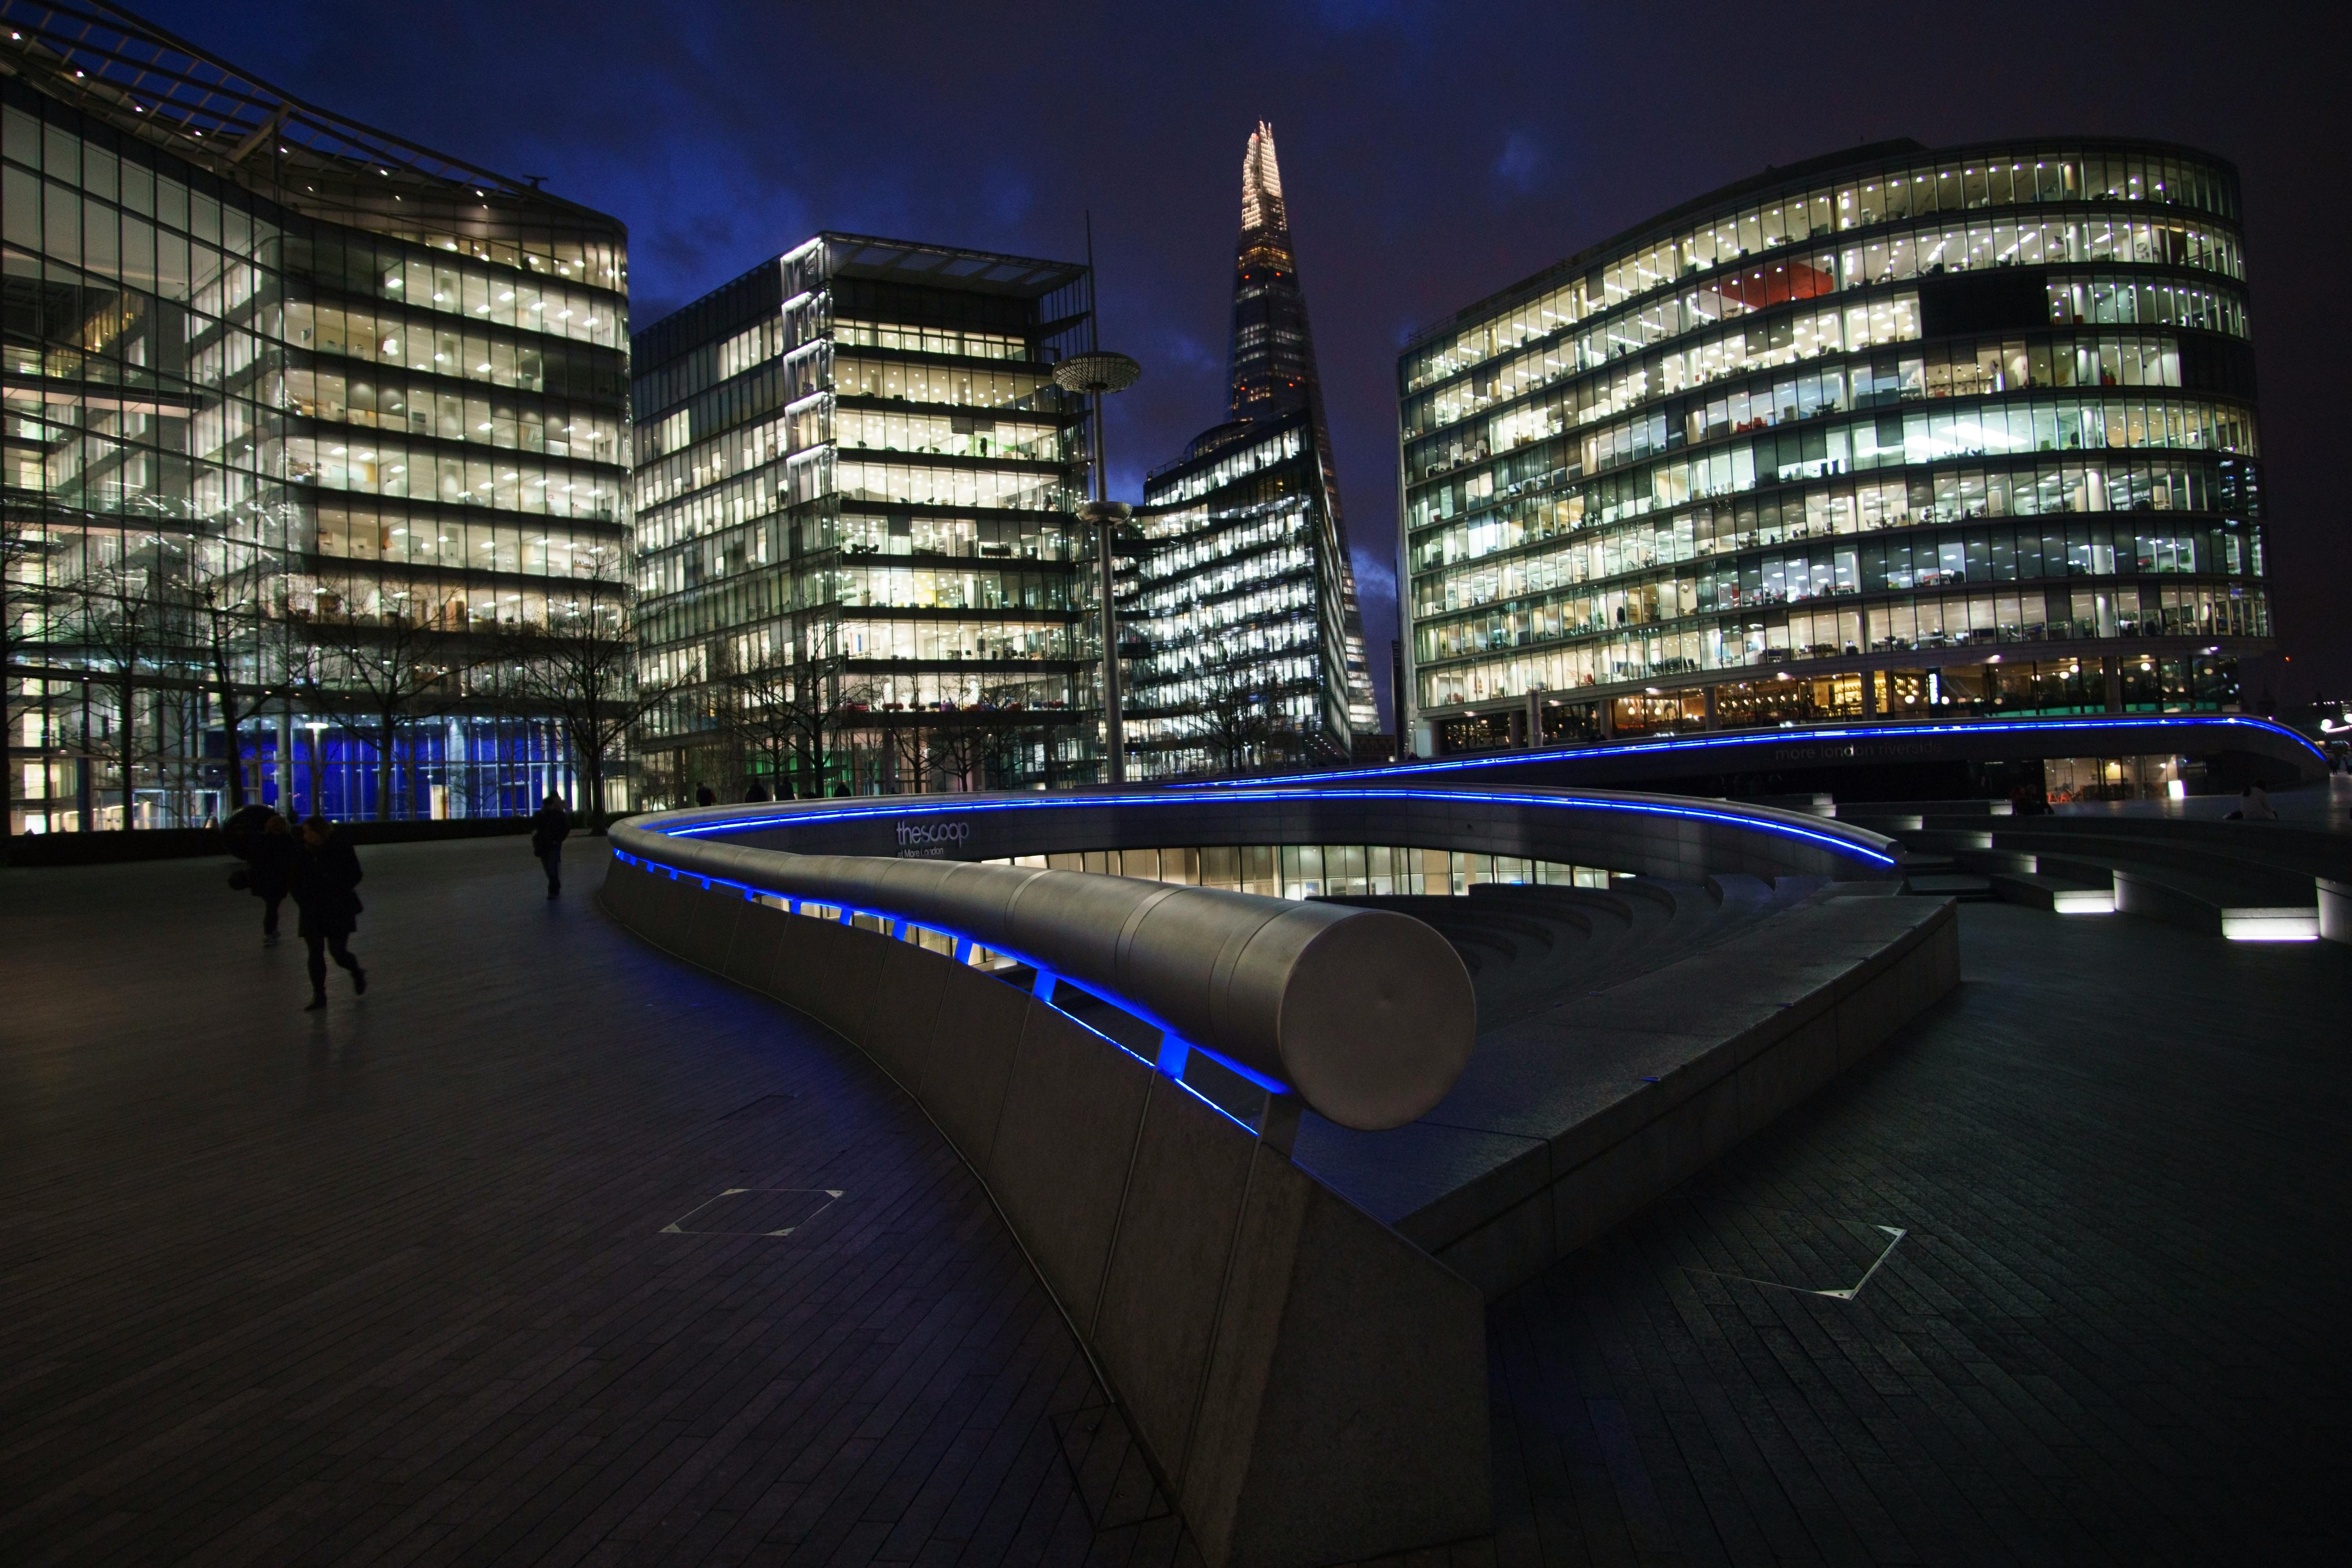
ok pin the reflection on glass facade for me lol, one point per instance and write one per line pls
(300, 419)
(1239, 608)
(1323, 870)
(1893, 432)
(858, 569)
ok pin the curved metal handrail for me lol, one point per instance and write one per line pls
(1368, 1015)
(1710, 743)
(1878, 852)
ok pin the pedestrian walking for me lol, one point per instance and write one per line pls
(705, 795)
(270, 872)
(325, 890)
(548, 825)
(244, 825)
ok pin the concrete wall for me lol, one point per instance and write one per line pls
(1310, 1387)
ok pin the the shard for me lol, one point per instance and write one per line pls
(1271, 361)
(1271, 366)
(1245, 596)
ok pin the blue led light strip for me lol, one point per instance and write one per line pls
(1173, 1047)
(897, 805)
(1606, 750)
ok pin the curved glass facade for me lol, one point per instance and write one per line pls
(1894, 431)
(302, 421)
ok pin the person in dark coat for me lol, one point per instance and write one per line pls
(705, 795)
(325, 890)
(549, 825)
(270, 862)
(757, 795)
(246, 824)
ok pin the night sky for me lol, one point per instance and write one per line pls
(1431, 155)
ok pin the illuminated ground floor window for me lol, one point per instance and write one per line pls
(71, 759)
(1323, 870)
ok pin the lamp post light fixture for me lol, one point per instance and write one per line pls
(317, 764)
(1095, 373)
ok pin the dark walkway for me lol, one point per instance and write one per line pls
(2118, 1328)
(393, 1283)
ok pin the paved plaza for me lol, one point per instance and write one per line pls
(534, 1255)
(2113, 1330)
(396, 1283)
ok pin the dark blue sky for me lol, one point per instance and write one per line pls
(1430, 154)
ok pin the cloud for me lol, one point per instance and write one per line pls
(1521, 166)
(1008, 196)
(1183, 351)
(1348, 16)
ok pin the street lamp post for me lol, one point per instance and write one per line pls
(318, 765)
(1095, 374)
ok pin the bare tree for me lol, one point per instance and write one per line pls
(124, 620)
(25, 607)
(1239, 726)
(1005, 745)
(975, 746)
(392, 668)
(910, 752)
(581, 666)
(961, 743)
(850, 706)
(228, 620)
(792, 712)
(761, 709)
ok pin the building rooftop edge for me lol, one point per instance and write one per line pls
(1236, 433)
(1772, 177)
(239, 101)
(1062, 273)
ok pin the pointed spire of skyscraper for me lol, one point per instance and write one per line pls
(1271, 368)
(1260, 661)
(1272, 365)
(1262, 185)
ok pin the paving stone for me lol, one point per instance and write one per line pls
(391, 1283)
(2111, 1333)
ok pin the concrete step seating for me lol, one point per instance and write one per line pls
(2244, 881)
(1961, 885)
(1527, 948)
(1891, 818)
(1606, 1073)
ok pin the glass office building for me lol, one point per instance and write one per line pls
(300, 419)
(1239, 604)
(1894, 432)
(858, 566)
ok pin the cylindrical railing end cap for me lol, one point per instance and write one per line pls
(1377, 1020)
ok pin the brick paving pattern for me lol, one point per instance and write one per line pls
(396, 1284)
(2114, 1330)
(393, 1283)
